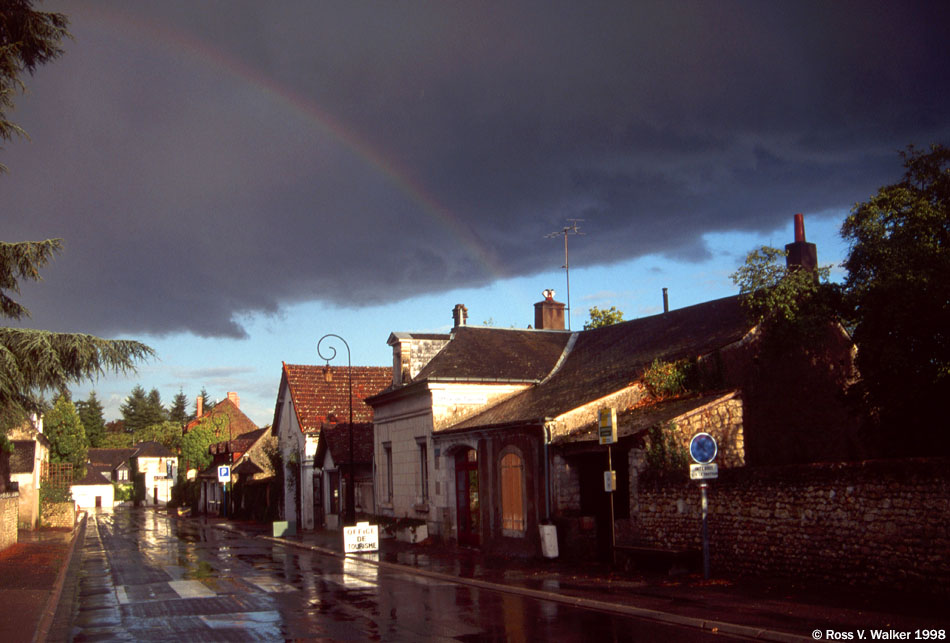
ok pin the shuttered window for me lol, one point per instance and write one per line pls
(512, 494)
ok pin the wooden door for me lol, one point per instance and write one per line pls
(466, 495)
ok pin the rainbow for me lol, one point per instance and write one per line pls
(178, 41)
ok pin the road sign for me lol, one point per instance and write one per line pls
(362, 537)
(610, 481)
(703, 448)
(607, 421)
(707, 471)
(224, 473)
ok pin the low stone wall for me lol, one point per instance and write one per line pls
(59, 514)
(9, 512)
(875, 523)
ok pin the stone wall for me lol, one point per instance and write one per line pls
(874, 523)
(9, 503)
(59, 514)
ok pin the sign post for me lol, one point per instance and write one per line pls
(703, 449)
(607, 431)
(224, 477)
(362, 537)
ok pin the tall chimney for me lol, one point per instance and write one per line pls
(549, 314)
(801, 254)
(200, 407)
(459, 315)
(666, 301)
(234, 399)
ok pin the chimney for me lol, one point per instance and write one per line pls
(549, 314)
(459, 315)
(666, 301)
(234, 399)
(800, 253)
(200, 407)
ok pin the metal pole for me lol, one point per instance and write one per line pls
(350, 495)
(705, 506)
(613, 539)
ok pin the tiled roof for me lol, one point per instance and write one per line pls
(642, 417)
(151, 449)
(606, 360)
(110, 458)
(241, 443)
(336, 438)
(23, 456)
(493, 354)
(317, 401)
(227, 416)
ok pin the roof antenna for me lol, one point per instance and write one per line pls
(566, 230)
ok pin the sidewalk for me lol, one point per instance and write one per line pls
(769, 609)
(31, 580)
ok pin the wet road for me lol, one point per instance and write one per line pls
(147, 577)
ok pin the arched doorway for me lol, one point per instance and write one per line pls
(466, 496)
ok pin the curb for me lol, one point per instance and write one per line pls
(757, 633)
(52, 601)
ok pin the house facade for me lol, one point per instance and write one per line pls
(495, 435)
(332, 462)
(93, 492)
(155, 464)
(30, 451)
(308, 398)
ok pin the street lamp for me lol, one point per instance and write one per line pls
(350, 498)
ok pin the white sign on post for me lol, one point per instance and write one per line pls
(362, 537)
(610, 481)
(607, 425)
(707, 471)
(224, 473)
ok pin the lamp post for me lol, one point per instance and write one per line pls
(350, 497)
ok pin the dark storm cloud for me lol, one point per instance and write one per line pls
(204, 161)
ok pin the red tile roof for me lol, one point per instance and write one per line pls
(227, 417)
(317, 401)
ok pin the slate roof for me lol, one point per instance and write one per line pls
(336, 438)
(109, 458)
(226, 415)
(151, 449)
(317, 401)
(92, 477)
(496, 354)
(606, 360)
(23, 456)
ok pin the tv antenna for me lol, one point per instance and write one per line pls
(569, 229)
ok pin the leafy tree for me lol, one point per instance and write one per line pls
(195, 443)
(114, 440)
(27, 38)
(35, 361)
(898, 294)
(64, 429)
(600, 317)
(90, 413)
(178, 412)
(167, 433)
(792, 303)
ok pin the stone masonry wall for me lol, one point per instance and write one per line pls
(874, 523)
(9, 505)
(59, 514)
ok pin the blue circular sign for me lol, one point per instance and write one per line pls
(703, 448)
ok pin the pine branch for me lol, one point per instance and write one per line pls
(22, 261)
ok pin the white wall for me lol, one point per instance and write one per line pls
(85, 495)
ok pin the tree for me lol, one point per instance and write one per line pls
(793, 304)
(195, 443)
(600, 317)
(178, 412)
(27, 38)
(167, 433)
(64, 429)
(90, 413)
(154, 411)
(898, 297)
(34, 361)
(133, 410)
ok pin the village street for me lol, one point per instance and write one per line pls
(146, 576)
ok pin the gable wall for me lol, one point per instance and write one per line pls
(452, 403)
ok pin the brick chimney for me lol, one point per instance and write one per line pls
(234, 399)
(800, 253)
(549, 314)
(200, 407)
(459, 315)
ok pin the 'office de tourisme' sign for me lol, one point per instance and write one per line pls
(362, 537)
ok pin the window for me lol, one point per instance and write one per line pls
(512, 495)
(388, 457)
(423, 468)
